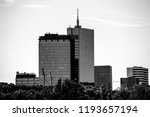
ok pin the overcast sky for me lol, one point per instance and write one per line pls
(122, 32)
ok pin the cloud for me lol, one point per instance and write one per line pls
(6, 3)
(118, 23)
(35, 6)
(122, 14)
(10, 1)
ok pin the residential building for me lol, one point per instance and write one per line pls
(138, 72)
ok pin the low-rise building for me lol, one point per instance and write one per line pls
(128, 83)
(140, 73)
(28, 79)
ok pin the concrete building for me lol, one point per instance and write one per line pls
(85, 46)
(103, 76)
(28, 79)
(123, 83)
(129, 83)
(138, 72)
(57, 58)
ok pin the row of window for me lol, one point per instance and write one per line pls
(23, 79)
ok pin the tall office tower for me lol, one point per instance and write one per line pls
(103, 76)
(56, 58)
(138, 72)
(85, 45)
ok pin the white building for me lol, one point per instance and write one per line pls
(138, 72)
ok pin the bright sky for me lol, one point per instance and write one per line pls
(122, 32)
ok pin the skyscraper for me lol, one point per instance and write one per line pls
(85, 46)
(103, 76)
(56, 58)
(138, 72)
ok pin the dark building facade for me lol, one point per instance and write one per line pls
(123, 83)
(57, 58)
(28, 79)
(103, 76)
(129, 83)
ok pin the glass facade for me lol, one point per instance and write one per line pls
(56, 58)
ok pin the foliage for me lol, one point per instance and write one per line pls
(69, 90)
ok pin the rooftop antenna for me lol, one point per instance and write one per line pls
(78, 25)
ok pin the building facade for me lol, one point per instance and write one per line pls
(57, 58)
(85, 47)
(140, 73)
(103, 76)
(123, 83)
(129, 83)
(28, 79)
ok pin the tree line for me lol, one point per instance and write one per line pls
(69, 90)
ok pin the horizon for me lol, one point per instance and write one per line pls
(121, 32)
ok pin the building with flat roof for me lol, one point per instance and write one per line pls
(28, 79)
(129, 83)
(57, 58)
(85, 47)
(103, 76)
(138, 72)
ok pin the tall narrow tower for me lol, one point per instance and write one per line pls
(85, 46)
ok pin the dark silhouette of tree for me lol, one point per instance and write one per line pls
(19, 95)
(140, 93)
(58, 90)
(47, 93)
(69, 90)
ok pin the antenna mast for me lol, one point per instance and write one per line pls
(78, 25)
